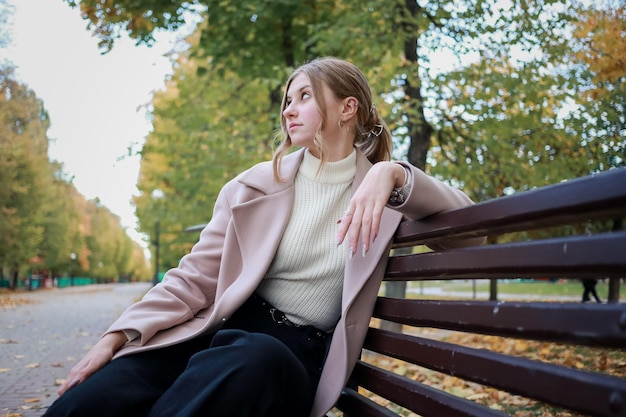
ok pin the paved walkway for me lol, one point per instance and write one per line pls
(43, 333)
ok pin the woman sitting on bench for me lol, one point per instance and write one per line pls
(267, 314)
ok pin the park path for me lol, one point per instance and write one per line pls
(43, 333)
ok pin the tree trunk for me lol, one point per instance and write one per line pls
(13, 279)
(418, 128)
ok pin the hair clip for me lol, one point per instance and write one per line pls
(376, 131)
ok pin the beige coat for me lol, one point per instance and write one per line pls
(235, 251)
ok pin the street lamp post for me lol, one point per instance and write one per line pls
(156, 242)
(157, 194)
(72, 269)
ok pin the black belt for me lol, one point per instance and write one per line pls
(281, 318)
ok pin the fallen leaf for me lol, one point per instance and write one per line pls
(5, 370)
(32, 365)
(32, 400)
(478, 396)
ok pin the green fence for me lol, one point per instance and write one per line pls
(60, 282)
(63, 282)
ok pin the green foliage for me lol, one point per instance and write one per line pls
(43, 218)
(514, 120)
(203, 136)
(514, 106)
(23, 147)
(108, 18)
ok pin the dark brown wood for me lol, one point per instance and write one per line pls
(595, 393)
(601, 255)
(601, 325)
(596, 256)
(598, 196)
(419, 398)
(355, 405)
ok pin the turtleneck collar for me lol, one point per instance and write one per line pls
(332, 172)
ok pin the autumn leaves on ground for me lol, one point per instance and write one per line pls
(12, 302)
(612, 362)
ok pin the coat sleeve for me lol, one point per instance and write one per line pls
(428, 196)
(186, 289)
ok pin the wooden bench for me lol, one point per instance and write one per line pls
(600, 197)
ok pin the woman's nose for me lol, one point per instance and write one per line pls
(289, 111)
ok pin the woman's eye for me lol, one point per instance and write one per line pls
(306, 95)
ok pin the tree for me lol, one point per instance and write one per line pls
(497, 113)
(61, 230)
(43, 218)
(202, 137)
(601, 56)
(23, 172)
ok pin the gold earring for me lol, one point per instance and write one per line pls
(340, 124)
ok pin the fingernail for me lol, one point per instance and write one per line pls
(338, 241)
(363, 250)
(351, 252)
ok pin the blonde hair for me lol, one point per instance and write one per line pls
(343, 79)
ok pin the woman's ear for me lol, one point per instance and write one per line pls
(350, 108)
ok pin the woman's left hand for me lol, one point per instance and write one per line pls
(362, 218)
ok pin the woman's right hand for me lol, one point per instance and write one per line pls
(98, 356)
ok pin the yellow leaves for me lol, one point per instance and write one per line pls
(520, 346)
(2, 370)
(590, 359)
(545, 351)
(601, 32)
(11, 302)
(32, 400)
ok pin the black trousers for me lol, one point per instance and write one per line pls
(257, 365)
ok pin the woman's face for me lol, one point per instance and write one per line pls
(302, 117)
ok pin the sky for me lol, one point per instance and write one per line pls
(96, 103)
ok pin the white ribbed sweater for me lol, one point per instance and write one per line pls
(306, 276)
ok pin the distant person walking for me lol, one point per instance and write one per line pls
(589, 285)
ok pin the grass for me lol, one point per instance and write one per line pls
(560, 288)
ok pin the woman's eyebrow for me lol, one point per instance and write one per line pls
(304, 87)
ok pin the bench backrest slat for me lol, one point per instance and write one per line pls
(598, 196)
(602, 255)
(588, 324)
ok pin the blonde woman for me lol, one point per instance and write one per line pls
(267, 314)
